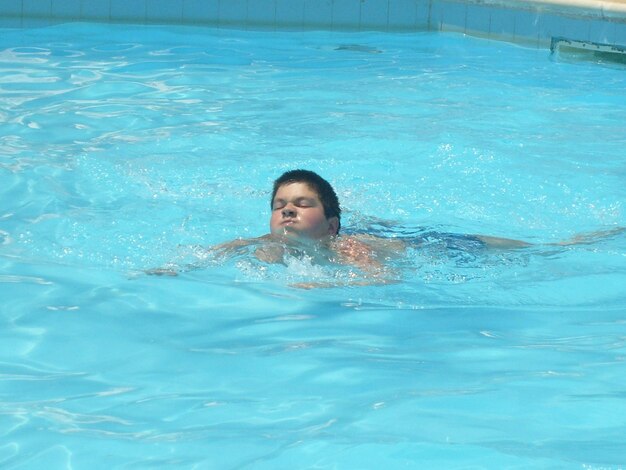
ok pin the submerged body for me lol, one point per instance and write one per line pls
(305, 222)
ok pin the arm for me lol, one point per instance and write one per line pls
(355, 283)
(502, 243)
(223, 250)
(269, 253)
(265, 250)
(580, 239)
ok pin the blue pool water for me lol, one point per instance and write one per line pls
(128, 148)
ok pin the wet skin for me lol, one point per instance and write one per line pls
(297, 212)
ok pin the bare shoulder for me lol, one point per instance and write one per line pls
(381, 243)
(366, 251)
(353, 245)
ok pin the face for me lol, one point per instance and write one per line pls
(298, 212)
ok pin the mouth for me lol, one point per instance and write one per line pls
(288, 227)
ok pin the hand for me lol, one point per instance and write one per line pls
(161, 272)
(591, 237)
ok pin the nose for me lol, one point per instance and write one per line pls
(288, 211)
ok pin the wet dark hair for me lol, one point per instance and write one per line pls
(324, 190)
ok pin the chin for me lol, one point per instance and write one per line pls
(285, 232)
(297, 235)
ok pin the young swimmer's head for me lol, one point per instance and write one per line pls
(304, 205)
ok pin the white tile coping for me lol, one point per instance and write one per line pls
(595, 8)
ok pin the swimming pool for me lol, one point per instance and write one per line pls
(124, 148)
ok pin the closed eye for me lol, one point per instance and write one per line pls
(278, 204)
(304, 202)
(300, 202)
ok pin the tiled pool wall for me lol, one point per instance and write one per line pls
(523, 21)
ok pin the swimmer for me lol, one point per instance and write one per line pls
(306, 218)
(305, 210)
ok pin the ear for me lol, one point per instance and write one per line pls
(333, 225)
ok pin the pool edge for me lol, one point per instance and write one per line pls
(533, 23)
